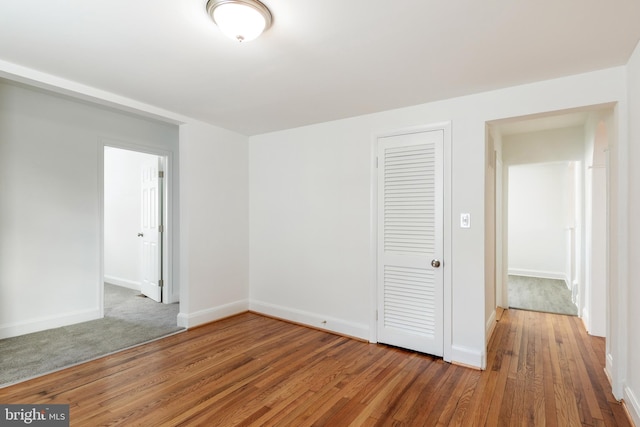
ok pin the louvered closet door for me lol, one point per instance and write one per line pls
(410, 236)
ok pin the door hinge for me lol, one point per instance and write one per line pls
(161, 283)
(376, 162)
(376, 315)
(161, 228)
(160, 174)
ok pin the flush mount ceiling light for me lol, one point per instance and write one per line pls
(241, 20)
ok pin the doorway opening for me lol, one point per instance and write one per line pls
(551, 180)
(136, 227)
(543, 241)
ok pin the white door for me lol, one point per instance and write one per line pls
(410, 241)
(151, 232)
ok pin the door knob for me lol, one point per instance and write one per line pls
(142, 234)
(435, 263)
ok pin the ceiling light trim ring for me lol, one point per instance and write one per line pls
(253, 4)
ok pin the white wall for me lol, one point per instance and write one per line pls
(544, 146)
(632, 388)
(310, 224)
(50, 187)
(122, 216)
(214, 212)
(311, 216)
(537, 230)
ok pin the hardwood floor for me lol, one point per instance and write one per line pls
(543, 369)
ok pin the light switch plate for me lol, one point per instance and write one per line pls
(465, 220)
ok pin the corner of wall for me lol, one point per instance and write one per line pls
(585, 319)
(630, 295)
(470, 357)
(199, 318)
(490, 326)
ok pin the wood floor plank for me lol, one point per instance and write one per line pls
(539, 410)
(568, 399)
(501, 357)
(426, 394)
(591, 404)
(461, 414)
(250, 370)
(548, 371)
(509, 399)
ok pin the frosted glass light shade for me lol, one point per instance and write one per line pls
(241, 20)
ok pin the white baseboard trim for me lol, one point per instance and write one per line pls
(125, 283)
(608, 367)
(490, 326)
(633, 405)
(15, 329)
(468, 357)
(332, 324)
(190, 320)
(616, 388)
(538, 273)
(585, 319)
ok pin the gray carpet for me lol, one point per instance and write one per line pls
(130, 319)
(537, 294)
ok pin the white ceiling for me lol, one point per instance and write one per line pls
(321, 60)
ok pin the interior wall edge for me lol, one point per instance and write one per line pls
(490, 325)
(201, 317)
(466, 356)
(40, 80)
(632, 404)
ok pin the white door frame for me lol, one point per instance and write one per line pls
(373, 230)
(168, 258)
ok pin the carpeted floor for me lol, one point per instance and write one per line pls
(130, 319)
(537, 294)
